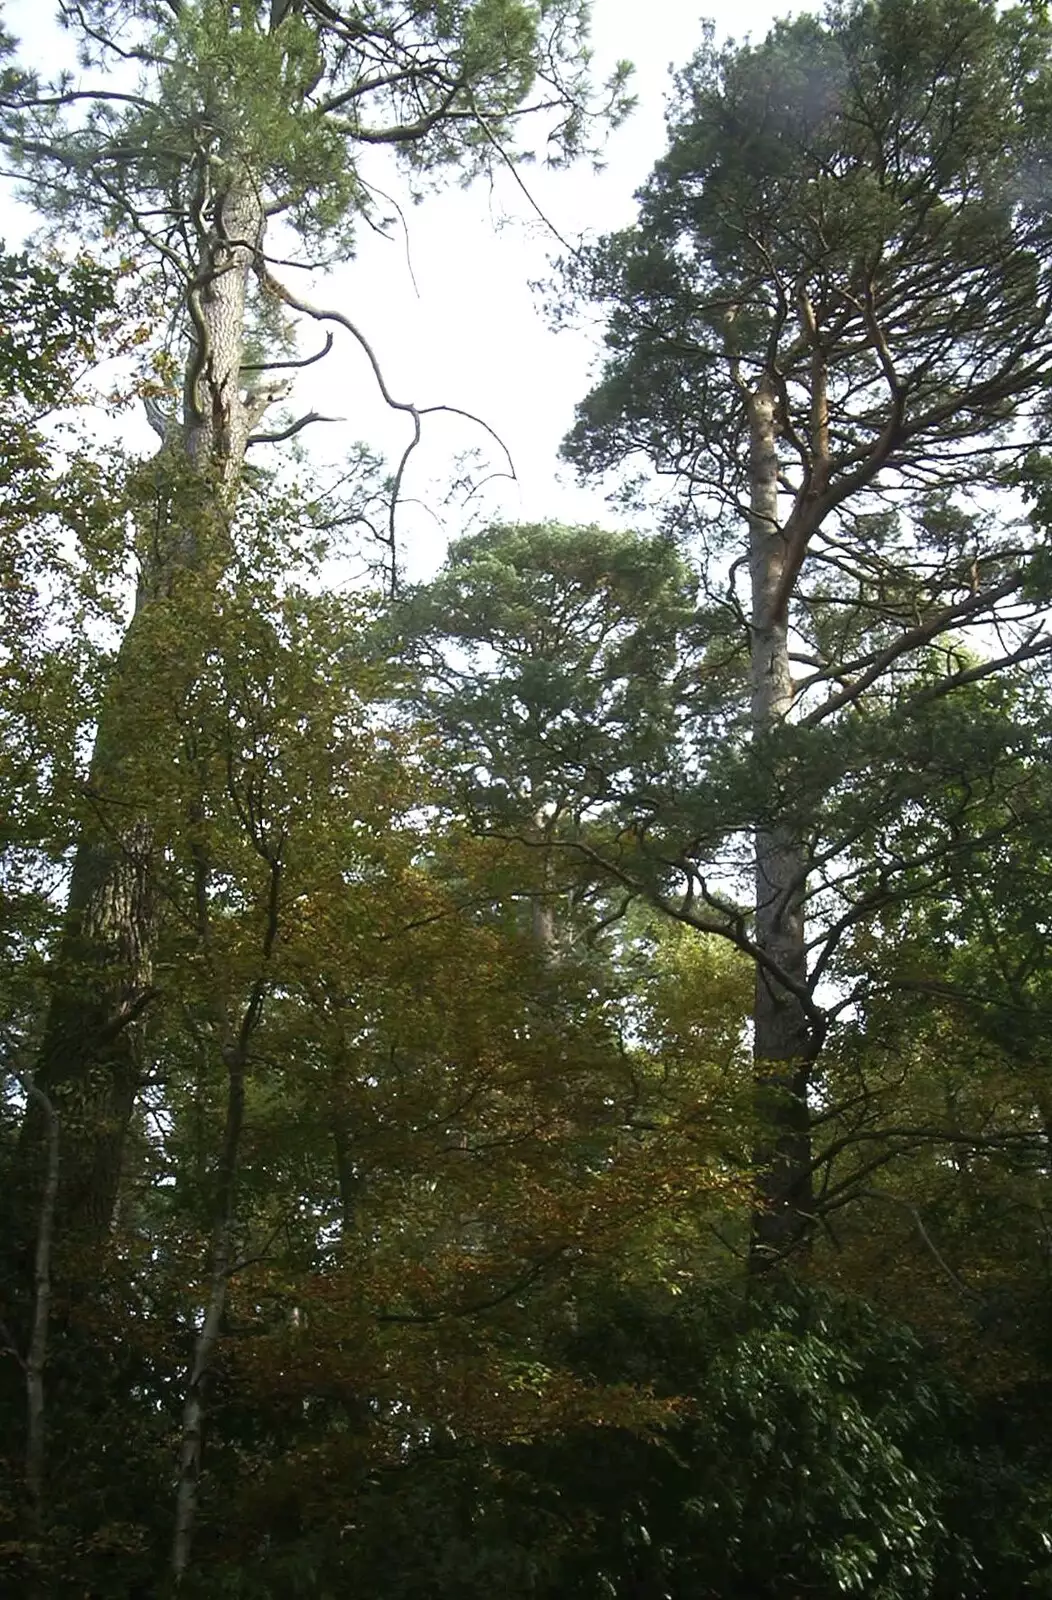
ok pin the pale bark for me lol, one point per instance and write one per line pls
(542, 902)
(781, 1042)
(542, 917)
(91, 1056)
(217, 418)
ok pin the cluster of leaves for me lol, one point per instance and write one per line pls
(62, 544)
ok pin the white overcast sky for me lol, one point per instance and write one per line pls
(464, 328)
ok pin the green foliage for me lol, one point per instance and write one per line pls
(287, 107)
(438, 1126)
(60, 510)
(488, 1159)
(815, 1446)
(51, 321)
(862, 165)
(562, 655)
(802, 1464)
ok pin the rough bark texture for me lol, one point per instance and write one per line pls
(781, 1042)
(91, 1058)
(217, 419)
(89, 1061)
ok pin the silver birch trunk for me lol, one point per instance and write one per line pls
(781, 1042)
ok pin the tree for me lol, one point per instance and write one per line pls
(554, 662)
(423, 1224)
(236, 117)
(947, 1036)
(832, 327)
(59, 531)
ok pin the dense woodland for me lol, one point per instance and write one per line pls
(537, 1082)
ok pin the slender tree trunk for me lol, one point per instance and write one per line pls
(207, 1340)
(236, 1057)
(347, 1176)
(36, 1356)
(542, 902)
(781, 1038)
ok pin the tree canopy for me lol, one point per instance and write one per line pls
(536, 1079)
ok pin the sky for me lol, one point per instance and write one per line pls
(447, 302)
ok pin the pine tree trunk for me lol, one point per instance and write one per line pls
(781, 1040)
(90, 1061)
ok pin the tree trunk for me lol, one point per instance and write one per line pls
(193, 1421)
(237, 1049)
(347, 1176)
(36, 1355)
(781, 1037)
(542, 901)
(217, 419)
(90, 1060)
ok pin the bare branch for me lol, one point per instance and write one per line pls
(291, 430)
(318, 314)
